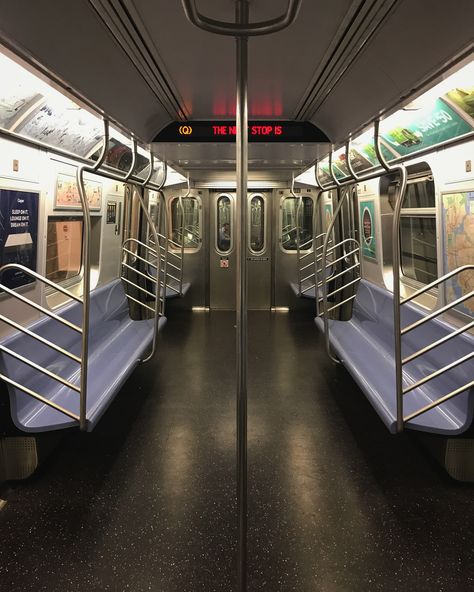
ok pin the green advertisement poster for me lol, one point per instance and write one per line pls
(367, 223)
(426, 128)
(324, 174)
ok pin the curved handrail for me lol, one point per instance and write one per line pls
(241, 30)
(298, 237)
(86, 278)
(324, 266)
(402, 171)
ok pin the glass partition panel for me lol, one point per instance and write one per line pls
(186, 222)
(289, 223)
(64, 248)
(418, 248)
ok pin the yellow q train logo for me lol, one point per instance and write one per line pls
(185, 130)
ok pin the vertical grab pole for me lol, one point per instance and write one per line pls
(242, 11)
(298, 240)
(396, 270)
(181, 207)
(86, 278)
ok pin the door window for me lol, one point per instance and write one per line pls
(257, 225)
(224, 230)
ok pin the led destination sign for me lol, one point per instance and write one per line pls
(226, 131)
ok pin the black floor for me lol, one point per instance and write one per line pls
(146, 502)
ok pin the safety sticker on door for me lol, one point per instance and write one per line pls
(224, 263)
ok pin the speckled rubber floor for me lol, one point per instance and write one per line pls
(147, 501)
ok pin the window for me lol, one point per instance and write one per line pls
(186, 222)
(64, 248)
(418, 232)
(289, 224)
(224, 228)
(257, 225)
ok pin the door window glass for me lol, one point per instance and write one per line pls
(224, 224)
(257, 224)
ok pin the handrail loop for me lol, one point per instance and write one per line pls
(241, 30)
(402, 171)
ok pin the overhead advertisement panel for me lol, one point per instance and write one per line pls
(411, 131)
(226, 131)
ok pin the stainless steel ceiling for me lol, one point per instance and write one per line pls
(340, 64)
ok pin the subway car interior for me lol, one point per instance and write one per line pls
(236, 295)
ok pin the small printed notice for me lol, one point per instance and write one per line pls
(67, 193)
(18, 234)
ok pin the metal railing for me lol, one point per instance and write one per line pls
(72, 326)
(83, 330)
(434, 344)
(333, 258)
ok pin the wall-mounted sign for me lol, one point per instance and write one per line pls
(67, 193)
(367, 222)
(417, 130)
(18, 234)
(225, 131)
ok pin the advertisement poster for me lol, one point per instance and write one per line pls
(18, 234)
(67, 193)
(367, 222)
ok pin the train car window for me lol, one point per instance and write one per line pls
(288, 227)
(187, 229)
(224, 226)
(420, 195)
(257, 225)
(64, 248)
(419, 259)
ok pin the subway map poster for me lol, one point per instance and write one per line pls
(458, 221)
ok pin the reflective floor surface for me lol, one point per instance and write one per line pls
(147, 501)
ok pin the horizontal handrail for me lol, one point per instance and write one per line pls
(42, 340)
(171, 264)
(444, 339)
(137, 286)
(39, 397)
(338, 304)
(41, 309)
(141, 244)
(40, 278)
(173, 288)
(437, 312)
(439, 401)
(146, 276)
(40, 368)
(439, 372)
(343, 287)
(139, 257)
(140, 302)
(440, 280)
(306, 266)
(333, 277)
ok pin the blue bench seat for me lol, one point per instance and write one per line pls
(365, 345)
(116, 346)
(310, 294)
(170, 293)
